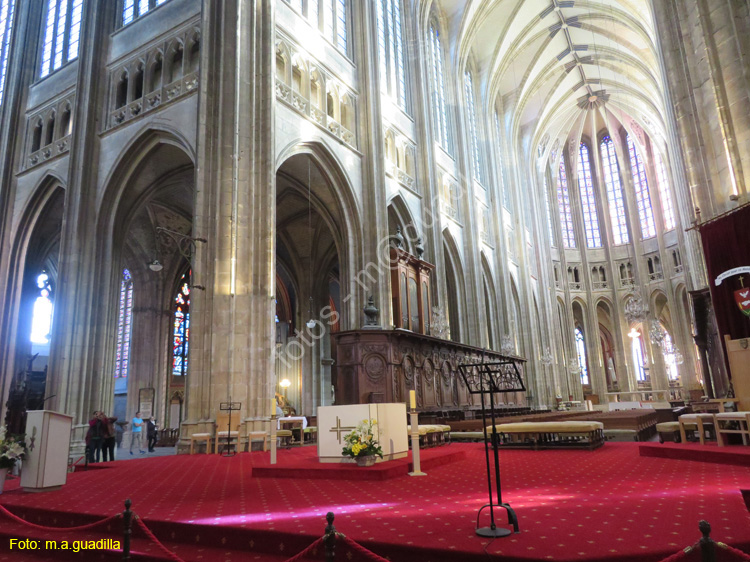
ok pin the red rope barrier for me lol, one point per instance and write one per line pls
(305, 552)
(738, 554)
(679, 555)
(150, 535)
(42, 527)
(354, 545)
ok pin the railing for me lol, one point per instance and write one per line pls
(601, 285)
(302, 105)
(575, 285)
(656, 276)
(55, 148)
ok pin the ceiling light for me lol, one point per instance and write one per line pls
(155, 266)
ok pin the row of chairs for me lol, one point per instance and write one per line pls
(223, 436)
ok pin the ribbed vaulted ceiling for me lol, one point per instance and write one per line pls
(545, 63)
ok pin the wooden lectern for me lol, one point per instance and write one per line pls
(738, 352)
(47, 444)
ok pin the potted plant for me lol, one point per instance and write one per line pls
(12, 449)
(361, 444)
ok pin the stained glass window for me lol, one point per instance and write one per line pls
(588, 201)
(642, 197)
(670, 356)
(391, 51)
(614, 192)
(475, 160)
(41, 320)
(124, 323)
(181, 333)
(440, 117)
(548, 211)
(132, 9)
(61, 34)
(667, 208)
(639, 359)
(498, 140)
(563, 202)
(581, 354)
(7, 8)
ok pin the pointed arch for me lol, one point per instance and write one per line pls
(491, 303)
(400, 216)
(456, 307)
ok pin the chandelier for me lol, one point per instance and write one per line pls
(507, 347)
(546, 358)
(635, 309)
(574, 367)
(656, 333)
(440, 327)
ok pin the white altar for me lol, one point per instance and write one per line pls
(48, 445)
(335, 422)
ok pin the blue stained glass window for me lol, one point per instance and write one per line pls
(581, 354)
(181, 328)
(566, 214)
(62, 33)
(548, 211)
(7, 9)
(588, 200)
(124, 324)
(341, 25)
(639, 359)
(133, 9)
(614, 192)
(642, 197)
(665, 196)
(390, 49)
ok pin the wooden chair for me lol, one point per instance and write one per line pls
(197, 438)
(222, 423)
(257, 436)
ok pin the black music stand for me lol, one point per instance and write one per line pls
(489, 379)
(230, 407)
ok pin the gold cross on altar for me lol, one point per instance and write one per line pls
(339, 429)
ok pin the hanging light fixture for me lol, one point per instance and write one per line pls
(311, 322)
(635, 309)
(507, 347)
(656, 332)
(546, 358)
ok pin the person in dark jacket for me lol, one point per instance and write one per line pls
(94, 437)
(151, 434)
(108, 437)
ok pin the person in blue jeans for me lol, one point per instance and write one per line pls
(136, 433)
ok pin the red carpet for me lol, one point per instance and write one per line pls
(710, 452)
(304, 464)
(608, 504)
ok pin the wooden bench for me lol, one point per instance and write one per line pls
(432, 435)
(548, 435)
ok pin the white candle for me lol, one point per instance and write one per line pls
(413, 399)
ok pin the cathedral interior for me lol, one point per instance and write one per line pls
(200, 201)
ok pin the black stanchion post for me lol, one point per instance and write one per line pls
(127, 520)
(330, 538)
(707, 544)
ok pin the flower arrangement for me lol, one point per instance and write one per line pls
(12, 448)
(361, 442)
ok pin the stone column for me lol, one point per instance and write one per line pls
(232, 320)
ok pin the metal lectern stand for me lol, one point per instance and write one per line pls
(488, 379)
(230, 407)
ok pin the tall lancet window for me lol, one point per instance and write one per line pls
(61, 34)
(588, 201)
(132, 9)
(498, 141)
(642, 197)
(548, 211)
(476, 163)
(581, 355)
(124, 323)
(181, 331)
(334, 22)
(667, 208)
(439, 114)
(41, 320)
(391, 51)
(614, 192)
(639, 359)
(563, 202)
(7, 8)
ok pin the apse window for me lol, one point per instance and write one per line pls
(41, 323)
(62, 31)
(125, 318)
(133, 9)
(181, 328)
